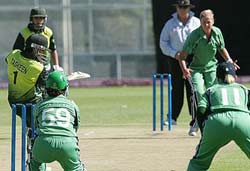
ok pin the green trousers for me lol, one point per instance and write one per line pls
(219, 130)
(203, 80)
(64, 150)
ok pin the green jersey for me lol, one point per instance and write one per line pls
(204, 50)
(57, 116)
(23, 74)
(221, 97)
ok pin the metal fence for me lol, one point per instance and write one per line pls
(106, 38)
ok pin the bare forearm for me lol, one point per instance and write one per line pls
(54, 57)
(182, 62)
(182, 59)
(183, 65)
(224, 53)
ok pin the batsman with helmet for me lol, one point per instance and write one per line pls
(26, 78)
(26, 73)
(227, 104)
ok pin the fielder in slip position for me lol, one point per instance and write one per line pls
(228, 118)
(57, 120)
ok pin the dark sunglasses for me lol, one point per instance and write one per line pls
(183, 7)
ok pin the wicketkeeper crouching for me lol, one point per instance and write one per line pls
(57, 120)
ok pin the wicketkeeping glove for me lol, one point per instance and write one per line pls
(57, 68)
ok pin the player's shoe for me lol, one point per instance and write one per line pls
(173, 122)
(193, 130)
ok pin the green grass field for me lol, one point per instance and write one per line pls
(124, 106)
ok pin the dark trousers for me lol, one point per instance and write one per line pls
(178, 90)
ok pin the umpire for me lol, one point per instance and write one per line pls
(172, 38)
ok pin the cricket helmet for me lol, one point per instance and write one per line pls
(57, 80)
(36, 45)
(35, 13)
(224, 69)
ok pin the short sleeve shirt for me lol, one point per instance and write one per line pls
(204, 50)
(57, 116)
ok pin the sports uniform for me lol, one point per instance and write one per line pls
(39, 28)
(26, 74)
(203, 43)
(228, 119)
(204, 61)
(57, 121)
(23, 74)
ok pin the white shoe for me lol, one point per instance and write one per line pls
(173, 122)
(193, 130)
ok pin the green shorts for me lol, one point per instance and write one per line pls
(64, 150)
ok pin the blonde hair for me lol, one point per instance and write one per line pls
(208, 13)
(229, 79)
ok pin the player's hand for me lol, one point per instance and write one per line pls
(57, 68)
(187, 73)
(236, 66)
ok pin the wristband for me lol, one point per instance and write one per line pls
(176, 55)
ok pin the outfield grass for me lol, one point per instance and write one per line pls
(122, 106)
(118, 106)
(110, 106)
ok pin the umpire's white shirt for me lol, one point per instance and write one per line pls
(174, 34)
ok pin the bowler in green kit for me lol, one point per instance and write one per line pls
(57, 120)
(227, 104)
(203, 43)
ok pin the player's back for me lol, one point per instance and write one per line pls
(56, 116)
(23, 74)
(224, 97)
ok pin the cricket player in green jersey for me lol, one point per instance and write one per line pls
(228, 119)
(203, 43)
(57, 120)
(26, 73)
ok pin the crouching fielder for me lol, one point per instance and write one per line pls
(228, 119)
(57, 121)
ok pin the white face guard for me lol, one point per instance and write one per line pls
(42, 54)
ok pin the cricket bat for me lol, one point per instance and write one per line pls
(77, 76)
